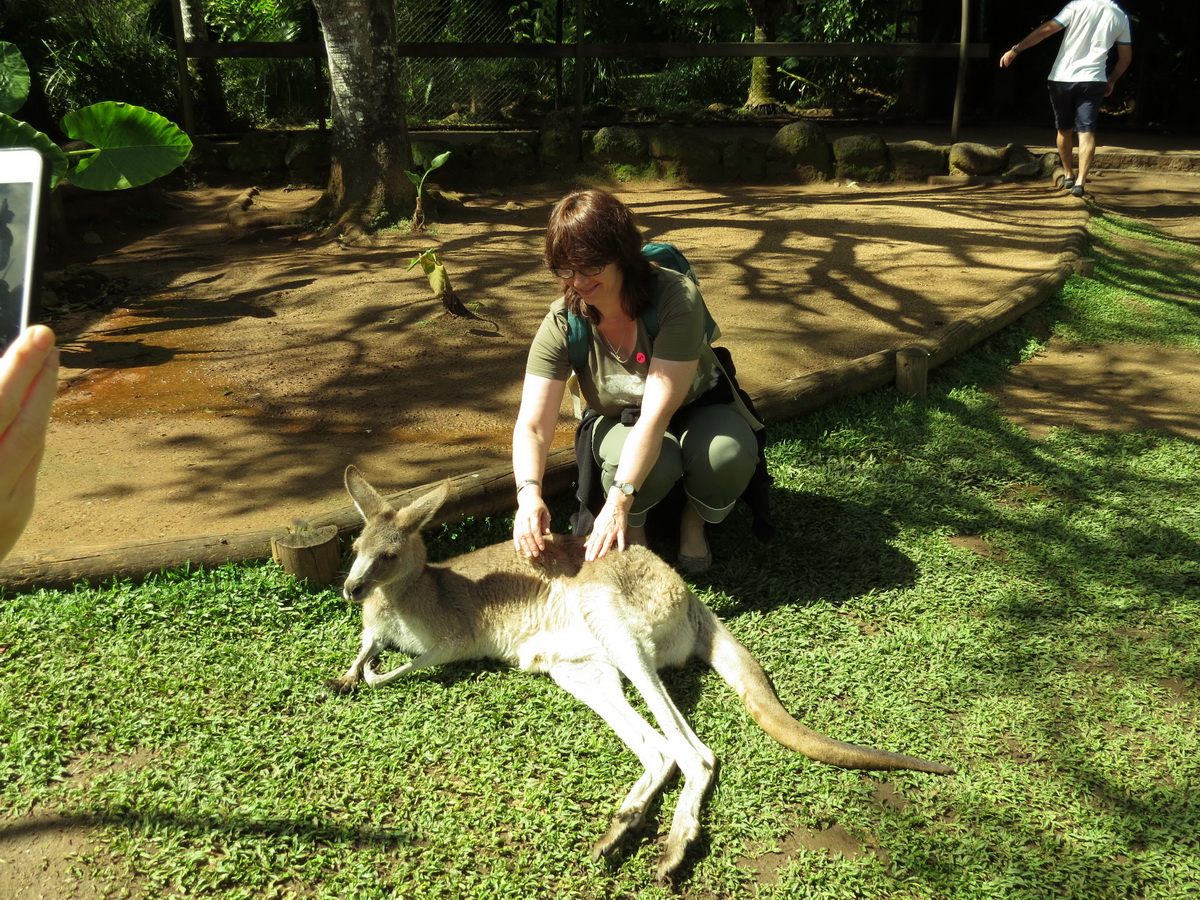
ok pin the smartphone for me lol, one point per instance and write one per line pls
(22, 171)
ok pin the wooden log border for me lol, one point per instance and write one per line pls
(490, 491)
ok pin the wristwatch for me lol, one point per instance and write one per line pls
(625, 488)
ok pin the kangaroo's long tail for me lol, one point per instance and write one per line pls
(733, 662)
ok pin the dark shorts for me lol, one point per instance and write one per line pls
(1076, 104)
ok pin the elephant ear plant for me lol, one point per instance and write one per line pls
(130, 146)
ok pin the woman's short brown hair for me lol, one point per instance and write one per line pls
(594, 228)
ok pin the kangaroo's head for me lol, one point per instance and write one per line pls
(389, 550)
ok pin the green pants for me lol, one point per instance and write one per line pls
(712, 450)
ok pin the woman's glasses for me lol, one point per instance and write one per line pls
(586, 272)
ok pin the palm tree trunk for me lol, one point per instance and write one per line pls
(763, 77)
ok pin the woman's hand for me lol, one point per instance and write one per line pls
(531, 524)
(28, 379)
(610, 527)
(532, 436)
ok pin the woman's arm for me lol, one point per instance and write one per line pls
(28, 379)
(532, 436)
(667, 386)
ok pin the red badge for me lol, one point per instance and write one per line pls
(641, 357)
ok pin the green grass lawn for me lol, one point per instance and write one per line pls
(942, 585)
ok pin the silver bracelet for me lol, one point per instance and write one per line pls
(521, 485)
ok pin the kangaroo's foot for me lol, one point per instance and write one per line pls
(624, 824)
(683, 835)
(344, 685)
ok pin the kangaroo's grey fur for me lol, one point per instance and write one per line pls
(585, 624)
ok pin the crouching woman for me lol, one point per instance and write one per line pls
(661, 408)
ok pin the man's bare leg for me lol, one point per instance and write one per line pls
(1066, 146)
(1087, 151)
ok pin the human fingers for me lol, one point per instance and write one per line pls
(529, 529)
(26, 415)
(597, 542)
(22, 364)
(597, 545)
(608, 531)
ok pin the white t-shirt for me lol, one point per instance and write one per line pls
(1092, 27)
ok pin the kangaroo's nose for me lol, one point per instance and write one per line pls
(352, 590)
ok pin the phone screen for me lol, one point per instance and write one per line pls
(20, 197)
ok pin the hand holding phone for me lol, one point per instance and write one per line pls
(21, 178)
(28, 380)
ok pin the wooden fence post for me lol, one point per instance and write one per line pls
(912, 372)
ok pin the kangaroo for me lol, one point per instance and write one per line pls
(585, 624)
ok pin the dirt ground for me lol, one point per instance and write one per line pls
(236, 373)
(1123, 387)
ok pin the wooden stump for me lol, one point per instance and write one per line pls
(912, 372)
(313, 555)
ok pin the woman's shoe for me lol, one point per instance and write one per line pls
(694, 565)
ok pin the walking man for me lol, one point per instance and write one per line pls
(1078, 81)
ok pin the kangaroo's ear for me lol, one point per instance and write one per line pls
(421, 511)
(365, 497)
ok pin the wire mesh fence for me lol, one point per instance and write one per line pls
(480, 90)
(466, 90)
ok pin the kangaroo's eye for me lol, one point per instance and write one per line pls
(387, 557)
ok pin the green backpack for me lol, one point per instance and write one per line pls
(668, 256)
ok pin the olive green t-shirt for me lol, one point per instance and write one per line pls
(610, 385)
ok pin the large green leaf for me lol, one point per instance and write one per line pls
(14, 78)
(136, 145)
(15, 133)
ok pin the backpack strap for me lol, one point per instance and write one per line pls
(577, 340)
(668, 256)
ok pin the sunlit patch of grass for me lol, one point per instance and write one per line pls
(1145, 289)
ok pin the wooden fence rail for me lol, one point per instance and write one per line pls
(962, 50)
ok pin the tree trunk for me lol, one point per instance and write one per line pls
(766, 15)
(214, 112)
(762, 77)
(371, 149)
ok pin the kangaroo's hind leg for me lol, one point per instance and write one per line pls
(598, 685)
(629, 646)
